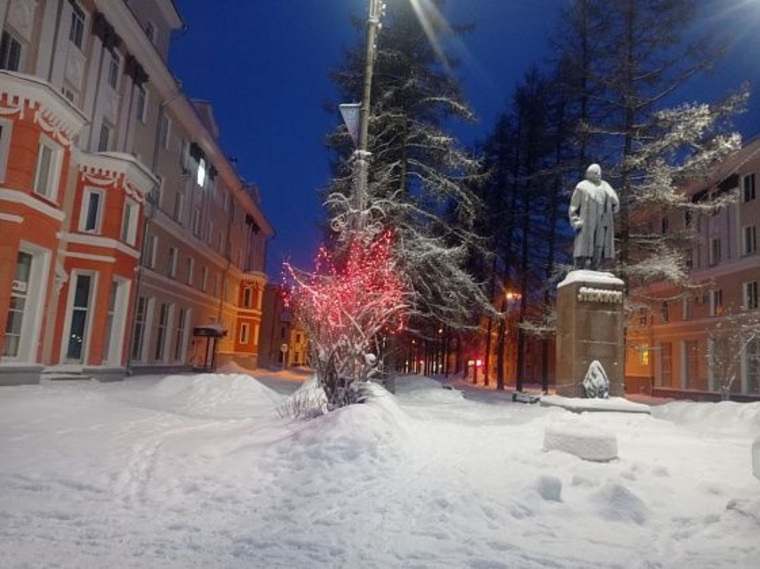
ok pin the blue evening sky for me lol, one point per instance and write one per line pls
(264, 65)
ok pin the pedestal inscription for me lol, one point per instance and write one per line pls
(589, 327)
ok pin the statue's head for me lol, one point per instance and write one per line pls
(594, 173)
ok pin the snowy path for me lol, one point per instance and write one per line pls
(202, 472)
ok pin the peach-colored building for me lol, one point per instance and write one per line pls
(124, 229)
(669, 345)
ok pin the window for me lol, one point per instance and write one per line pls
(752, 365)
(688, 218)
(247, 297)
(245, 332)
(80, 308)
(197, 222)
(6, 128)
(687, 308)
(76, 30)
(179, 200)
(92, 207)
(749, 241)
(142, 104)
(665, 226)
(108, 340)
(68, 93)
(200, 175)
(217, 284)
(164, 130)
(750, 295)
(114, 63)
(10, 52)
(664, 312)
(141, 314)
(666, 371)
(185, 157)
(163, 328)
(172, 263)
(691, 364)
(714, 251)
(748, 187)
(129, 222)
(105, 138)
(179, 335)
(204, 278)
(151, 244)
(226, 291)
(19, 295)
(716, 302)
(46, 172)
(190, 266)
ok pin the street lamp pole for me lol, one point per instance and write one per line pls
(361, 154)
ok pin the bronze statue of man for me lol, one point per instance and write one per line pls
(591, 212)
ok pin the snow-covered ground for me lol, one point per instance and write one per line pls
(201, 471)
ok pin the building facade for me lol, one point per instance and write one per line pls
(124, 229)
(284, 341)
(673, 347)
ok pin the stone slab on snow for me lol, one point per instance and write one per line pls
(582, 442)
(579, 405)
(756, 458)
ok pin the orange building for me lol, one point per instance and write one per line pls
(670, 345)
(124, 229)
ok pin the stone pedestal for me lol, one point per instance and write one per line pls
(589, 327)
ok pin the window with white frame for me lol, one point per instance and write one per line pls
(129, 222)
(47, 170)
(197, 221)
(171, 266)
(15, 324)
(687, 308)
(247, 297)
(749, 239)
(114, 65)
(164, 132)
(69, 94)
(245, 332)
(6, 129)
(151, 245)
(140, 328)
(204, 278)
(200, 175)
(664, 312)
(184, 158)
(10, 52)
(226, 291)
(179, 202)
(164, 314)
(217, 284)
(91, 216)
(752, 365)
(76, 29)
(714, 251)
(141, 104)
(190, 268)
(716, 302)
(750, 295)
(104, 140)
(748, 187)
(180, 334)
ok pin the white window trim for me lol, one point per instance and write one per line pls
(190, 276)
(746, 288)
(84, 211)
(151, 248)
(750, 230)
(91, 309)
(142, 117)
(168, 134)
(77, 9)
(117, 59)
(119, 324)
(131, 236)
(713, 304)
(173, 255)
(245, 333)
(54, 175)
(204, 278)
(5, 146)
(31, 324)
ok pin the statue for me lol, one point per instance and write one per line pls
(591, 211)
(596, 384)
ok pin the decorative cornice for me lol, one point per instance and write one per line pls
(55, 114)
(11, 218)
(113, 168)
(97, 241)
(17, 196)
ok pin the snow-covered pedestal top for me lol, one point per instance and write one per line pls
(756, 458)
(579, 404)
(586, 276)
